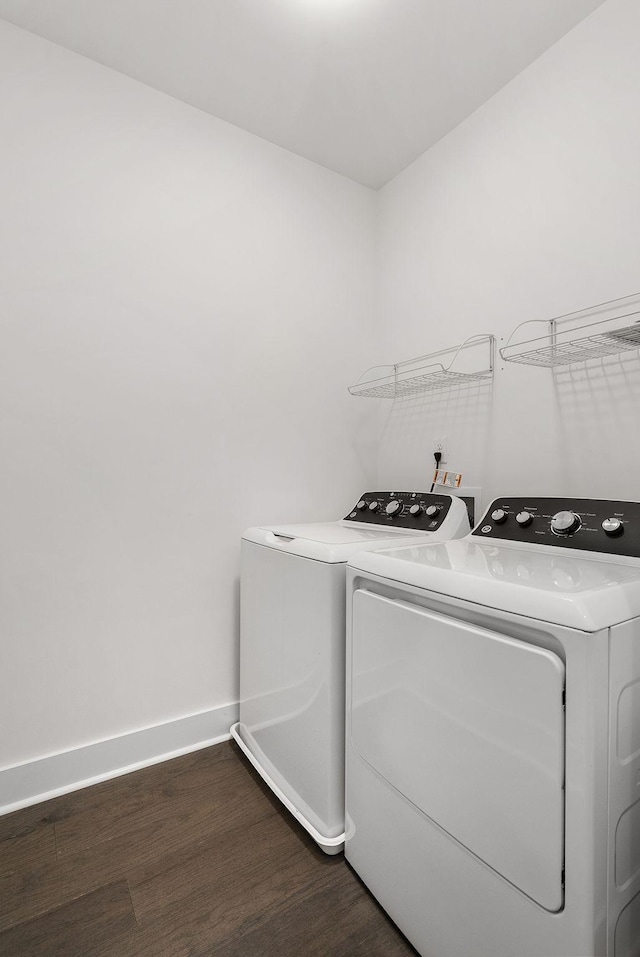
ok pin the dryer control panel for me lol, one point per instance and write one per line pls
(592, 525)
(421, 511)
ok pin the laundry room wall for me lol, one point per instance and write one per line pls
(183, 304)
(527, 210)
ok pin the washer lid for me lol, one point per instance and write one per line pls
(332, 542)
(539, 583)
(336, 542)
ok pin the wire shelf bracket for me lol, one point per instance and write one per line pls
(606, 329)
(430, 373)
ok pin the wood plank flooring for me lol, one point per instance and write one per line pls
(190, 858)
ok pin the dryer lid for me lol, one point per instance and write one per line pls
(542, 584)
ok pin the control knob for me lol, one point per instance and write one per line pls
(415, 510)
(613, 526)
(361, 504)
(393, 507)
(524, 518)
(431, 510)
(499, 516)
(563, 523)
(373, 506)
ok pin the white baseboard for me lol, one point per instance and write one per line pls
(47, 777)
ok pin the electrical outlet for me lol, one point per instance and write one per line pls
(440, 445)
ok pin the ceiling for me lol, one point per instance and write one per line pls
(362, 87)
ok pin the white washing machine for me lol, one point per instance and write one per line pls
(292, 645)
(493, 733)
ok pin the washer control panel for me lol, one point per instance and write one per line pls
(593, 525)
(423, 511)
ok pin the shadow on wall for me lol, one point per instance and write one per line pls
(598, 405)
(459, 414)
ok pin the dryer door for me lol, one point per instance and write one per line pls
(468, 725)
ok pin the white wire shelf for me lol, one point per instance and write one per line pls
(430, 373)
(607, 329)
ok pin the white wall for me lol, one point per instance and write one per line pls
(527, 210)
(181, 307)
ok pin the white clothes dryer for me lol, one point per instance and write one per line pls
(493, 733)
(292, 645)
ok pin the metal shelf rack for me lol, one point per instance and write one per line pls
(606, 329)
(474, 361)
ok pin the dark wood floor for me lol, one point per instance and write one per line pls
(189, 858)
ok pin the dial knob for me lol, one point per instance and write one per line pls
(524, 519)
(415, 510)
(613, 526)
(373, 506)
(499, 516)
(431, 510)
(563, 523)
(361, 504)
(393, 507)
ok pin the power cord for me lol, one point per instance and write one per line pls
(437, 456)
